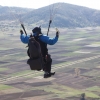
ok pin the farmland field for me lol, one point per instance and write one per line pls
(76, 61)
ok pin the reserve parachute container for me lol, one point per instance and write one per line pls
(35, 60)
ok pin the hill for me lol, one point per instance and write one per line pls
(65, 15)
(9, 13)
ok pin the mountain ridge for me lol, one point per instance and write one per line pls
(65, 15)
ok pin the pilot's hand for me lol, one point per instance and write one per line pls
(57, 32)
(21, 32)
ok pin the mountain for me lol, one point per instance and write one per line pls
(11, 13)
(64, 15)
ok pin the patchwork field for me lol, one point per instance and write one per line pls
(76, 60)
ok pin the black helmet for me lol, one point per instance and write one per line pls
(36, 30)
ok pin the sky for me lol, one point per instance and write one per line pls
(35, 4)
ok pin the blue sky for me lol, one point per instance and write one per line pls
(95, 4)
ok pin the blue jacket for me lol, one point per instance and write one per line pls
(43, 38)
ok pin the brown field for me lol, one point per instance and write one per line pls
(76, 49)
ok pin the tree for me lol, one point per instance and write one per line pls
(82, 96)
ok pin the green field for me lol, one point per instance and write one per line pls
(77, 49)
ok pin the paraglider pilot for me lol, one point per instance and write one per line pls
(43, 41)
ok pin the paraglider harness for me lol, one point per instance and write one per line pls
(36, 60)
